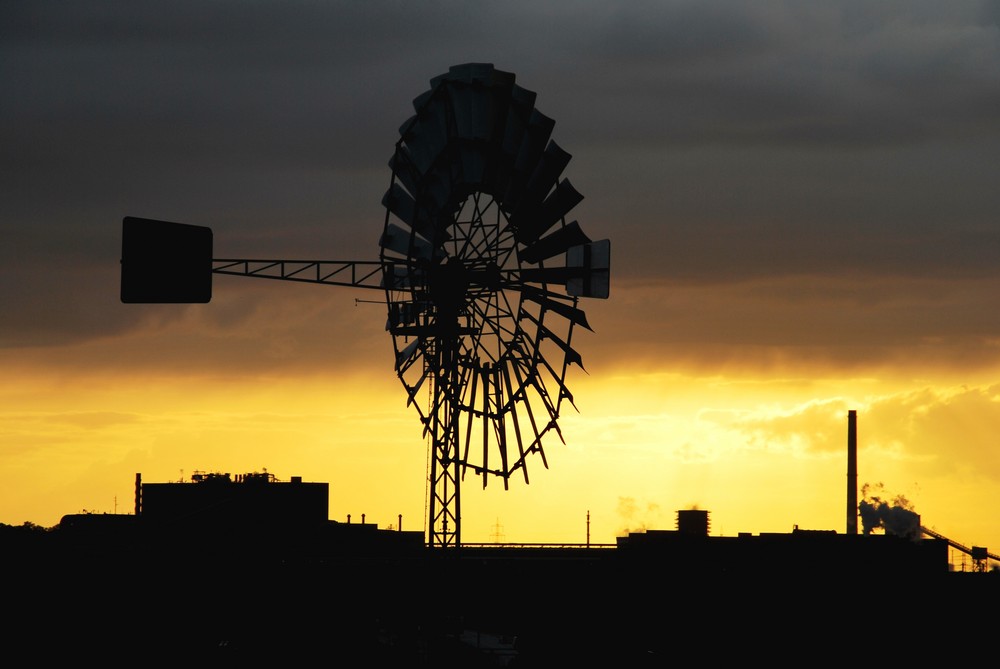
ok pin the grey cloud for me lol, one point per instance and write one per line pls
(795, 73)
(714, 142)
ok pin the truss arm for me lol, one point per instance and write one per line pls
(163, 261)
(354, 273)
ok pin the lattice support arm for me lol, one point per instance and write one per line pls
(353, 273)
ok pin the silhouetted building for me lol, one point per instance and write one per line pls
(693, 522)
(691, 549)
(246, 499)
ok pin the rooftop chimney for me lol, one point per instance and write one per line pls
(852, 472)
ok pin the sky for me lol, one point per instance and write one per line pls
(801, 199)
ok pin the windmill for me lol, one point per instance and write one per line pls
(481, 273)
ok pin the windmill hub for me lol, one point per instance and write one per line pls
(451, 283)
(448, 284)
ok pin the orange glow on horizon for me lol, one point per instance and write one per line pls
(759, 455)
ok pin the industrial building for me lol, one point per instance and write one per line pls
(247, 567)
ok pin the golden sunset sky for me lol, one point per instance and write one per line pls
(801, 200)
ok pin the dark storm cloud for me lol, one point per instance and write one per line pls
(712, 141)
(793, 73)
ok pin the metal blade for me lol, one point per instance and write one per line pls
(543, 333)
(475, 111)
(533, 142)
(426, 134)
(471, 416)
(572, 357)
(411, 392)
(544, 176)
(408, 244)
(486, 419)
(499, 425)
(515, 125)
(564, 393)
(403, 168)
(550, 275)
(513, 415)
(567, 311)
(536, 444)
(471, 72)
(400, 203)
(518, 116)
(534, 223)
(474, 161)
(406, 354)
(558, 242)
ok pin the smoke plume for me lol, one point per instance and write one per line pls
(895, 517)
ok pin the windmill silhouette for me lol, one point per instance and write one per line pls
(480, 270)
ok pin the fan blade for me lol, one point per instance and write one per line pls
(401, 278)
(536, 443)
(407, 353)
(474, 161)
(408, 244)
(534, 223)
(404, 169)
(513, 415)
(545, 333)
(534, 142)
(486, 419)
(471, 414)
(572, 357)
(515, 124)
(564, 393)
(475, 111)
(480, 73)
(543, 177)
(567, 311)
(424, 98)
(595, 261)
(500, 427)
(411, 392)
(426, 134)
(422, 148)
(438, 193)
(518, 116)
(480, 98)
(550, 275)
(528, 154)
(532, 377)
(469, 72)
(433, 190)
(401, 203)
(558, 242)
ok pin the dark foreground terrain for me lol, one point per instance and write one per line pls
(231, 600)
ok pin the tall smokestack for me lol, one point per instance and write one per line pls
(138, 494)
(852, 472)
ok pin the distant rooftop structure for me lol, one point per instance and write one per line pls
(218, 498)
